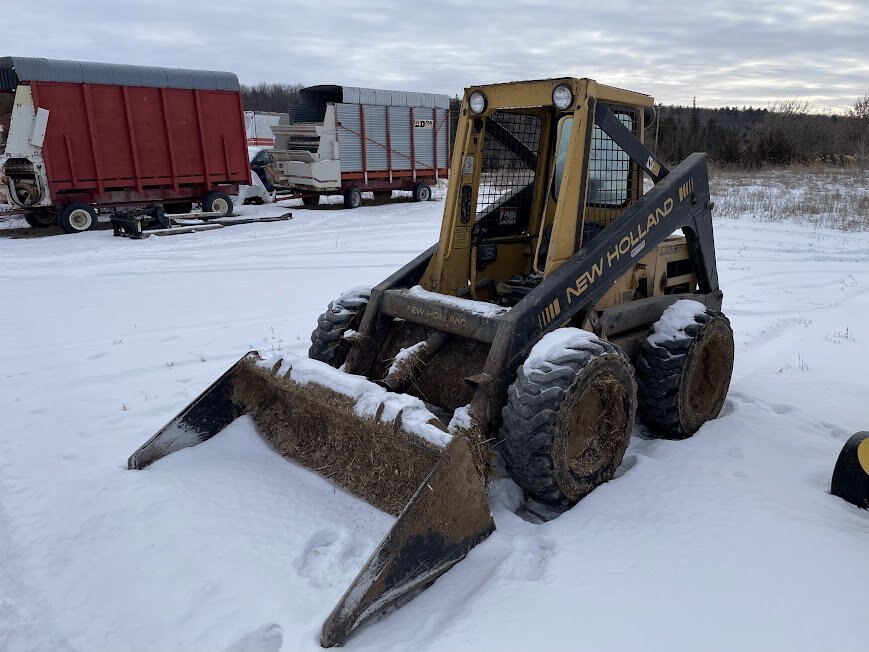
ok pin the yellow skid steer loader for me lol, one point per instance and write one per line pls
(557, 308)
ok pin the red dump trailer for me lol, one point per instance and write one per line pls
(79, 137)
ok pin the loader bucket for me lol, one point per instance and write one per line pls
(384, 447)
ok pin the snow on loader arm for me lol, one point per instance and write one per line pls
(383, 447)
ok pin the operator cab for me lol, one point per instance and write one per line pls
(523, 160)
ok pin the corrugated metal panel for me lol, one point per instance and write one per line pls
(24, 69)
(317, 95)
(443, 138)
(375, 138)
(423, 138)
(399, 127)
(349, 142)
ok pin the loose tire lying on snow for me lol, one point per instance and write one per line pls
(851, 475)
(684, 369)
(569, 416)
(343, 314)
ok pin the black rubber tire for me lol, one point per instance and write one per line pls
(352, 198)
(344, 313)
(217, 202)
(178, 208)
(77, 218)
(421, 192)
(682, 384)
(382, 195)
(851, 474)
(41, 219)
(310, 200)
(556, 445)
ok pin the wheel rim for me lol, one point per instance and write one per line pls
(219, 205)
(80, 219)
(424, 194)
(356, 199)
(594, 428)
(706, 379)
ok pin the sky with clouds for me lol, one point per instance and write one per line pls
(730, 53)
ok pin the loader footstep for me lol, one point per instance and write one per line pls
(266, 638)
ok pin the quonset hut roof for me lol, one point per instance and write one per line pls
(319, 95)
(15, 70)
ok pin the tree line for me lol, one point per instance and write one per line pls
(786, 133)
(270, 98)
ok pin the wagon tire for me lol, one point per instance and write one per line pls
(421, 192)
(310, 200)
(76, 218)
(41, 219)
(178, 208)
(217, 202)
(352, 197)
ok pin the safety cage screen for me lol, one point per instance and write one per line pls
(511, 142)
(610, 182)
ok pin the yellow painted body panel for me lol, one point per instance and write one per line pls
(454, 268)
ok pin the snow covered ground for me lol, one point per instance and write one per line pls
(726, 541)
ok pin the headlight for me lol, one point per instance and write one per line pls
(562, 97)
(477, 102)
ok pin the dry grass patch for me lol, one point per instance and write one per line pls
(825, 197)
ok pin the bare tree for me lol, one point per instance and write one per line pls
(861, 108)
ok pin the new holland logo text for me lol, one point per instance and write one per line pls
(630, 245)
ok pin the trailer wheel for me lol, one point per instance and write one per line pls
(568, 419)
(352, 197)
(178, 208)
(421, 192)
(380, 195)
(217, 202)
(328, 343)
(683, 381)
(75, 218)
(310, 200)
(41, 219)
